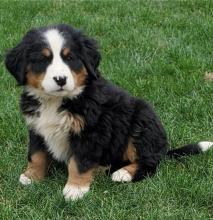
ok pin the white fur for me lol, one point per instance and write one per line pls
(24, 180)
(121, 175)
(74, 192)
(58, 68)
(205, 145)
(53, 126)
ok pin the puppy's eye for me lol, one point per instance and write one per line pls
(38, 57)
(69, 57)
(41, 59)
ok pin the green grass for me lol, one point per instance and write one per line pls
(158, 50)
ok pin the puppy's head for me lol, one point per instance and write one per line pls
(57, 60)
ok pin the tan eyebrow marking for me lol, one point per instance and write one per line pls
(66, 51)
(46, 52)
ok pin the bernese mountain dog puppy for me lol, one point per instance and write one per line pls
(77, 117)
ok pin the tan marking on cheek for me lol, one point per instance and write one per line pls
(46, 52)
(132, 168)
(130, 153)
(74, 177)
(38, 166)
(35, 79)
(66, 51)
(80, 77)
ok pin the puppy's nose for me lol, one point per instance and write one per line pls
(60, 80)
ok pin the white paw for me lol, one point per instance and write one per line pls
(121, 175)
(24, 180)
(74, 192)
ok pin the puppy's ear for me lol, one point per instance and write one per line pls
(91, 56)
(15, 62)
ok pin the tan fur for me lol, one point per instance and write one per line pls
(46, 52)
(77, 123)
(80, 77)
(66, 51)
(37, 168)
(132, 168)
(130, 153)
(76, 178)
(35, 80)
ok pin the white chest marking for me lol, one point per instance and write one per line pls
(54, 127)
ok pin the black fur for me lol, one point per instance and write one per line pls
(189, 149)
(111, 115)
(36, 144)
(16, 63)
(30, 105)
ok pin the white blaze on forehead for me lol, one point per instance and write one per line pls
(57, 68)
(55, 40)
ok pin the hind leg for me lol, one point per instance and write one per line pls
(138, 167)
(125, 174)
(133, 172)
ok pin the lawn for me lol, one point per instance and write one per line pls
(157, 50)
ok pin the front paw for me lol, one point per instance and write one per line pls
(24, 180)
(74, 192)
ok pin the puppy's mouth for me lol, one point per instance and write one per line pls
(60, 90)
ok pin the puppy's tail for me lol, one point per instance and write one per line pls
(190, 149)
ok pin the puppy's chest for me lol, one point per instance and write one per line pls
(55, 126)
